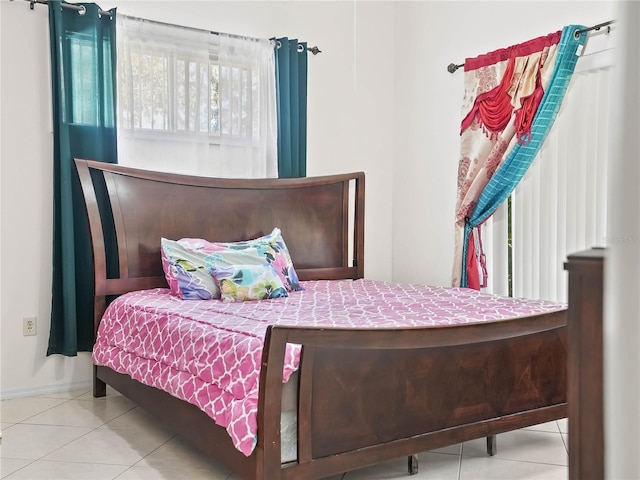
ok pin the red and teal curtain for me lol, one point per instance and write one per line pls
(291, 99)
(512, 97)
(83, 93)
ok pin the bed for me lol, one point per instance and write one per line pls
(434, 385)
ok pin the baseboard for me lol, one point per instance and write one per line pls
(43, 390)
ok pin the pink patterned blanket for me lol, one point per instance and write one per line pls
(208, 352)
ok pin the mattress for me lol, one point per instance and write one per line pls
(208, 352)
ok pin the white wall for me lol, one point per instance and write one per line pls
(622, 278)
(430, 36)
(26, 212)
(347, 131)
(380, 100)
(0, 195)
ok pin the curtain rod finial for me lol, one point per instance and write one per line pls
(453, 67)
(314, 50)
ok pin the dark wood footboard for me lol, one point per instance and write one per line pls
(412, 390)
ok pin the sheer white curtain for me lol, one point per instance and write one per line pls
(560, 206)
(194, 102)
(248, 111)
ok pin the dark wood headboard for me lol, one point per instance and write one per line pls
(314, 214)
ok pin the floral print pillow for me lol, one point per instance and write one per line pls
(281, 260)
(239, 283)
(189, 263)
(269, 248)
(187, 272)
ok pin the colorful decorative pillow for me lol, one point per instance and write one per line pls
(187, 272)
(239, 283)
(281, 260)
(269, 248)
(189, 263)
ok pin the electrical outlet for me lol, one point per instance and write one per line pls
(29, 326)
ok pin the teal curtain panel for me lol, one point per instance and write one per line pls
(291, 98)
(83, 95)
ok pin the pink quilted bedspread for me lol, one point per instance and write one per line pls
(208, 353)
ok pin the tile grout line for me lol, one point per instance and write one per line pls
(152, 451)
(92, 429)
(229, 476)
(32, 461)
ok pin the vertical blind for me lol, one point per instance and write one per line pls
(560, 205)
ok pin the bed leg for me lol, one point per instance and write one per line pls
(492, 447)
(412, 462)
(99, 387)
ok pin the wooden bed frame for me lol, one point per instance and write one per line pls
(385, 393)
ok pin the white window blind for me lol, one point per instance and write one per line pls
(560, 206)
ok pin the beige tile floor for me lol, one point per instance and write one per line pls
(75, 436)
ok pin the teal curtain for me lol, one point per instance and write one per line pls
(291, 98)
(83, 96)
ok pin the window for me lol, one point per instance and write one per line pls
(174, 93)
(86, 92)
(191, 101)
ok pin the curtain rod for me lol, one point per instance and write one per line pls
(81, 9)
(105, 13)
(452, 67)
(595, 27)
